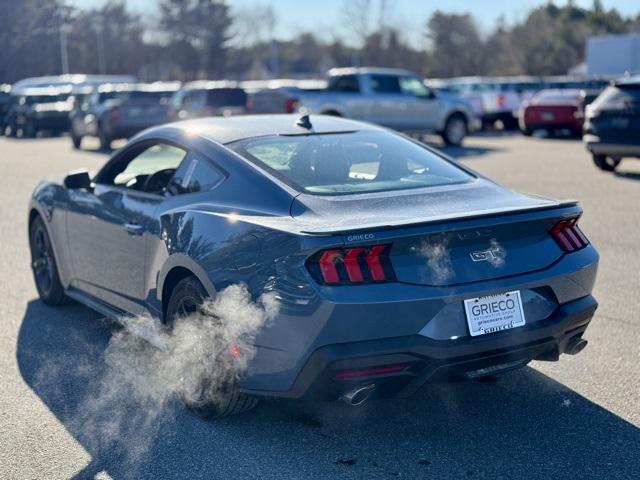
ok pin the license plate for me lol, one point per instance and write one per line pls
(494, 313)
(548, 116)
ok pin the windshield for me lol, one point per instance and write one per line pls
(348, 163)
(618, 97)
(35, 99)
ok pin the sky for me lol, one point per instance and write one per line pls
(327, 16)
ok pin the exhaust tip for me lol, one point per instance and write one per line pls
(575, 345)
(358, 396)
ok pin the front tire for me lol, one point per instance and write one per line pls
(44, 266)
(604, 163)
(455, 129)
(187, 298)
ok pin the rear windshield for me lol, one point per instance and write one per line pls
(348, 163)
(560, 96)
(226, 97)
(618, 97)
(153, 96)
(35, 99)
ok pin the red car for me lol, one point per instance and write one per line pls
(552, 110)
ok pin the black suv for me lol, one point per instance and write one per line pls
(612, 124)
(35, 109)
(5, 101)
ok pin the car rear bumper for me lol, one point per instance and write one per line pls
(399, 366)
(601, 146)
(555, 125)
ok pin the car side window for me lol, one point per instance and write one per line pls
(194, 99)
(385, 84)
(344, 83)
(414, 86)
(195, 174)
(146, 168)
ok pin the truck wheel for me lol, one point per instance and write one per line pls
(454, 130)
(186, 298)
(607, 164)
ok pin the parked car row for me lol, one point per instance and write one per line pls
(114, 107)
(501, 98)
(397, 99)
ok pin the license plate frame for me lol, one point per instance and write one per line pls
(494, 313)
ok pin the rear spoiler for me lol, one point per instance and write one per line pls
(571, 205)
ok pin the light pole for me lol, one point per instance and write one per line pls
(64, 52)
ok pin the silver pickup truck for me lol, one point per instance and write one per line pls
(397, 99)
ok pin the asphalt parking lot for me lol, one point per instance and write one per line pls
(578, 418)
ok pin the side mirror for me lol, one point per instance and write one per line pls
(77, 180)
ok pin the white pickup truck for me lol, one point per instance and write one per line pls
(397, 99)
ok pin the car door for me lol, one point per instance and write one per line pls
(422, 105)
(388, 103)
(108, 228)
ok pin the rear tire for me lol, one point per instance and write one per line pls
(187, 297)
(455, 130)
(44, 266)
(30, 130)
(604, 163)
(105, 141)
(77, 142)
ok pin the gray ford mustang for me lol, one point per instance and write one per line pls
(393, 265)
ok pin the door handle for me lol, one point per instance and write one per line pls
(134, 228)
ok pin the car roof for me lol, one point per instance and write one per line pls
(631, 80)
(230, 129)
(37, 91)
(371, 71)
(139, 87)
(209, 85)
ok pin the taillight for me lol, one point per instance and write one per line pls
(290, 105)
(347, 266)
(115, 113)
(568, 235)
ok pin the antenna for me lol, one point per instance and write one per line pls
(305, 122)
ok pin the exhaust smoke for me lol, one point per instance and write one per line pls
(148, 366)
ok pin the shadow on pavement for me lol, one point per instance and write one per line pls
(627, 175)
(525, 425)
(464, 152)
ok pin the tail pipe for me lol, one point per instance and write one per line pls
(575, 345)
(358, 395)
